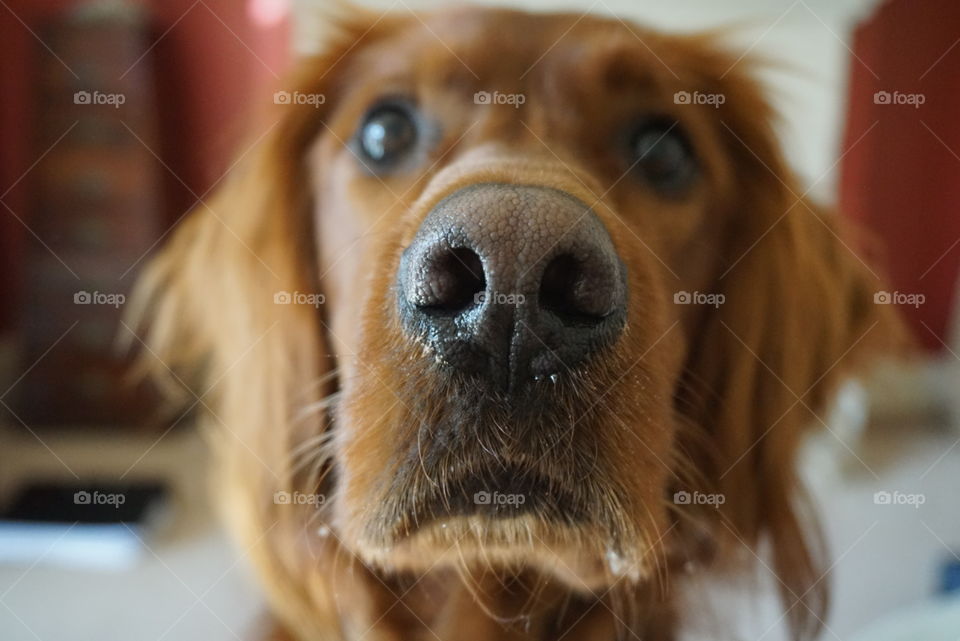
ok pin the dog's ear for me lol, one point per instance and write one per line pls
(798, 311)
(218, 307)
(215, 306)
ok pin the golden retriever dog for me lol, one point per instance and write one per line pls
(509, 324)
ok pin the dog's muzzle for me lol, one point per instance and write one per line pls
(514, 285)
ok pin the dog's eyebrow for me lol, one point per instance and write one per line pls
(424, 63)
(619, 62)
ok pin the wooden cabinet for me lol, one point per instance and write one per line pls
(96, 212)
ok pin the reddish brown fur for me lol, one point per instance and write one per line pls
(708, 396)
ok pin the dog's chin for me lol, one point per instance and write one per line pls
(583, 558)
(483, 482)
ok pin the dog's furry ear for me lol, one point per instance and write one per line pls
(214, 308)
(217, 308)
(798, 311)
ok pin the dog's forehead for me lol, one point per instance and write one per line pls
(478, 43)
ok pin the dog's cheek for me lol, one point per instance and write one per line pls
(373, 424)
(364, 448)
(640, 405)
(350, 220)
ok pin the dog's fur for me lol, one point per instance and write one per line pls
(335, 400)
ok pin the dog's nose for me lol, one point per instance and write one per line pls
(516, 284)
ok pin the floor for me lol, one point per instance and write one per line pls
(887, 556)
(192, 585)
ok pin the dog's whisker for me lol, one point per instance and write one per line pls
(309, 445)
(423, 465)
(321, 407)
(653, 547)
(314, 454)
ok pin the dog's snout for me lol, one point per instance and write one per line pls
(512, 283)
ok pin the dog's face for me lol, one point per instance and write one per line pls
(565, 276)
(504, 321)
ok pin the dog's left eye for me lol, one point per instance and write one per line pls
(388, 133)
(663, 156)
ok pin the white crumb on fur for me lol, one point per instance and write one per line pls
(619, 566)
(615, 562)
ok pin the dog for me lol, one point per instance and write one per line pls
(508, 324)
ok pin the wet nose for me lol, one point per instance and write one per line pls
(513, 284)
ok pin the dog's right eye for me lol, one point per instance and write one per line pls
(387, 134)
(663, 156)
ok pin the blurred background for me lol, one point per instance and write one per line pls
(117, 117)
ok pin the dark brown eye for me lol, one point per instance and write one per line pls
(663, 156)
(387, 134)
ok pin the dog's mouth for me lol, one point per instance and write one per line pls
(544, 510)
(513, 518)
(507, 492)
(491, 459)
(472, 477)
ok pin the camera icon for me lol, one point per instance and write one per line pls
(481, 98)
(281, 98)
(882, 298)
(82, 298)
(281, 497)
(882, 98)
(882, 498)
(681, 98)
(82, 98)
(481, 498)
(81, 498)
(681, 498)
(282, 298)
(480, 298)
(682, 298)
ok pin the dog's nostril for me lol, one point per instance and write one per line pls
(454, 279)
(556, 285)
(568, 290)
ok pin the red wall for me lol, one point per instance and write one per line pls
(903, 178)
(213, 61)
